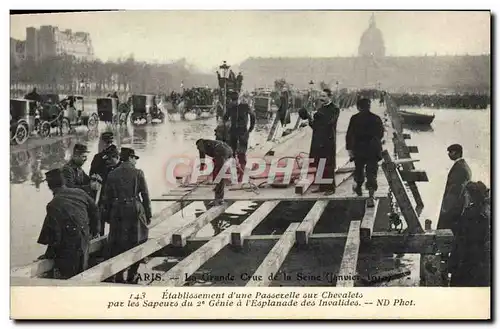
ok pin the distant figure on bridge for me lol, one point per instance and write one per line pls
(71, 221)
(324, 139)
(239, 132)
(364, 144)
(470, 258)
(33, 96)
(453, 198)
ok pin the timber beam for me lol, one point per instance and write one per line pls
(348, 266)
(306, 227)
(414, 176)
(368, 222)
(274, 258)
(245, 229)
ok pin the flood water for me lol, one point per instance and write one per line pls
(155, 144)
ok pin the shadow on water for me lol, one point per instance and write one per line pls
(36, 160)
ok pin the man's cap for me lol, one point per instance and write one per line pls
(80, 149)
(54, 173)
(54, 177)
(127, 153)
(455, 148)
(110, 152)
(107, 136)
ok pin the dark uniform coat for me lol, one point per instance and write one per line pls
(238, 114)
(453, 198)
(129, 214)
(364, 135)
(71, 221)
(75, 177)
(324, 138)
(470, 257)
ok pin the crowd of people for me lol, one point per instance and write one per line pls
(113, 192)
(456, 101)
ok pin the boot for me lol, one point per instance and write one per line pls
(242, 161)
(358, 189)
(370, 202)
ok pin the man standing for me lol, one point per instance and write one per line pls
(324, 139)
(453, 198)
(127, 198)
(74, 176)
(238, 115)
(220, 152)
(72, 220)
(98, 165)
(364, 144)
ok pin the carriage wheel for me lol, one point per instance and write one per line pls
(44, 129)
(93, 122)
(65, 126)
(21, 134)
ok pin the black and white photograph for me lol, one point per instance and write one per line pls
(334, 150)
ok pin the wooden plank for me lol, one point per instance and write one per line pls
(297, 123)
(41, 266)
(44, 265)
(303, 185)
(122, 261)
(413, 149)
(414, 176)
(438, 241)
(274, 259)
(179, 237)
(399, 191)
(306, 227)
(43, 282)
(348, 266)
(176, 276)
(246, 228)
(368, 222)
(432, 271)
(406, 136)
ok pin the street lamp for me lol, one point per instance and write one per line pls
(337, 84)
(225, 69)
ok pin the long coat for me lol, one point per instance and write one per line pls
(453, 198)
(72, 219)
(364, 135)
(324, 138)
(470, 258)
(127, 198)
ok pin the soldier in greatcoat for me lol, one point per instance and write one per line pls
(71, 221)
(74, 176)
(127, 197)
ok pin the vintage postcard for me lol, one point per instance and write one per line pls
(250, 165)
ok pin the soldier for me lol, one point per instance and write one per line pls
(364, 144)
(220, 152)
(74, 176)
(127, 198)
(238, 115)
(324, 139)
(98, 165)
(72, 220)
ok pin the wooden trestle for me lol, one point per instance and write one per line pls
(361, 247)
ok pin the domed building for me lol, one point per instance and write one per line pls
(372, 42)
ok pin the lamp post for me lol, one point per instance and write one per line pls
(225, 69)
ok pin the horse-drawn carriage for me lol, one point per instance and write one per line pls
(144, 107)
(111, 111)
(72, 111)
(262, 106)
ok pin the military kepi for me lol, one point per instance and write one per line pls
(80, 149)
(107, 136)
(110, 152)
(54, 177)
(127, 153)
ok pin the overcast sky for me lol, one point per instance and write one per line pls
(205, 38)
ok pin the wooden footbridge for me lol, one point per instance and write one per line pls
(337, 241)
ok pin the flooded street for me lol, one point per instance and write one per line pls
(155, 144)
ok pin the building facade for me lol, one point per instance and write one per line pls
(49, 41)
